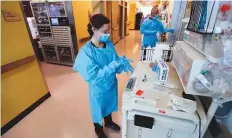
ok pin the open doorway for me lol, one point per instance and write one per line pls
(121, 20)
(125, 20)
(109, 15)
(33, 30)
(52, 31)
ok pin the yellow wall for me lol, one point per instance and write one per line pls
(24, 85)
(20, 90)
(157, 2)
(132, 15)
(80, 12)
(12, 34)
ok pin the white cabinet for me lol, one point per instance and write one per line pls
(164, 127)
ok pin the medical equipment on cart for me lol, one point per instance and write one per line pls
(161, 68)
(159, 111)
(155, 112)
(147, 53)
(131, 84)
(161, 50)
(167, 85)
(179, 103)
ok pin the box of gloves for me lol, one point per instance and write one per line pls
(162, 70)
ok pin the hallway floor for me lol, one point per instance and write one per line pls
(66, 114)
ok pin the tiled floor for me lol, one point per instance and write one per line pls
(66, 114)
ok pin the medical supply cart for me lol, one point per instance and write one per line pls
(154, 106)
(153, 114)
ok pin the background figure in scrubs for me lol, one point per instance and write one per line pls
(150, 26)
(97, 62)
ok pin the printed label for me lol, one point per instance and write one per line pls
(205, 82)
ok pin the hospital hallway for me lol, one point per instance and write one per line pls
(182, 88)
(66, 114)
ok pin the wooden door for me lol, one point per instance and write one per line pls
(115, 22)
(109, 15)
(121, 21)
(127, 24)
(126, 27)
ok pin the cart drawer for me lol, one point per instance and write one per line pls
(164, 127)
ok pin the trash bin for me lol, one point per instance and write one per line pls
(224, 115)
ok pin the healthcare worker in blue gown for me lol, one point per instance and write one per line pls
(149, 28)
(98, 63)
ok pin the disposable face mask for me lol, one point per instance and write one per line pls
(103, 37)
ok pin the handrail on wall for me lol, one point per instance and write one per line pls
(16, 64)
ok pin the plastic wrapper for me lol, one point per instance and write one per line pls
(214, 80)
(226, 40)
(222, 82)
(227, 53)
(227, 61)
(204, 82)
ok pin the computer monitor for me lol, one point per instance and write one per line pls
(54, 21)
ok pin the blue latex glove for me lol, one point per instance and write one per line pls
(155, 68)
(126, 64)
(171, 30)
(114, 65)
(155, 17)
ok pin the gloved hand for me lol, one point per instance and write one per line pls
(155, 17)
(126, 64)
(155, 68)
(114, 64)
(171, 30)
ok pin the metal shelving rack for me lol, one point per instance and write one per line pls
(56, 39)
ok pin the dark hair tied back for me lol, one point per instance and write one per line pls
(97, 21)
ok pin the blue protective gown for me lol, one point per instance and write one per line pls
(95, 66)
(149, 28)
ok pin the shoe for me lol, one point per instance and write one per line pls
(110, 124)
(113, 126)
(99, 131)
(100, 134)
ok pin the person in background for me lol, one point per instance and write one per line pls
(163, 19)
(98, 63)
(149, 28)
(142, 18)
